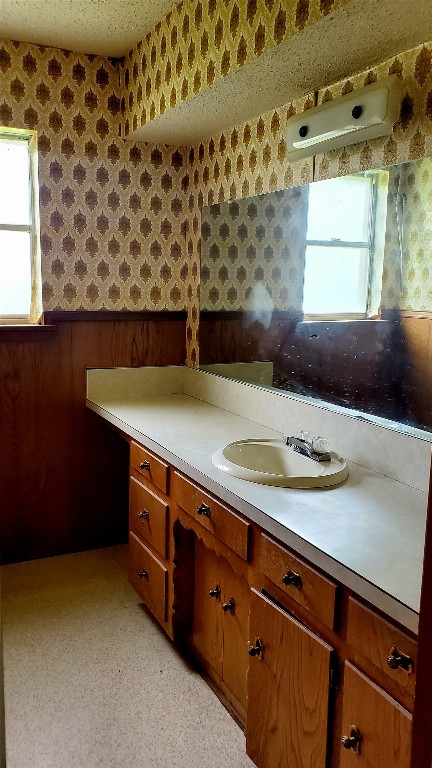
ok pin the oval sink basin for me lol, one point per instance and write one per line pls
(271, 462)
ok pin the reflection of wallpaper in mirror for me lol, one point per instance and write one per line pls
(251, 242)
(253, 255)
(409, 220)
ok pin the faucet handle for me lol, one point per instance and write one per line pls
(320, 444)
(303, 434)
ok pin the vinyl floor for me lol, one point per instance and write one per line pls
(92, 682)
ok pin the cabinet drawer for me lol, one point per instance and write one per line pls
(149, 577)
(148, 516)
(298, 580)
(378, 640)
(150, 466)
(221, 521)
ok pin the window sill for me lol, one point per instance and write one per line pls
(342, 320)
(17, 331)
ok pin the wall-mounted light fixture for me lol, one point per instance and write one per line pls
(363, 114)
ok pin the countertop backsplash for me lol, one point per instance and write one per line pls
(402, 457)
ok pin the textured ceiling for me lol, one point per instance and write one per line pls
(104, 27)
(352, 38)
(358, 36)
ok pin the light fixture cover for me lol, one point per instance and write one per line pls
(363, 114)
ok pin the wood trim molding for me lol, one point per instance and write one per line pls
(19, 333)
(403, 314)
(106, 315)
(417, 314)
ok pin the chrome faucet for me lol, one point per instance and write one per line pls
(315, 448)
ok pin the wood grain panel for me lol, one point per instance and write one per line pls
(148, 516)
(63, 472)
(225, 524)
(208, 615)
(288, 691)
(374, 638)
(314, 592)
(157, 471)
(384, 725)
(235, 632)
(149, 577)
(382, 366)
(421, 755)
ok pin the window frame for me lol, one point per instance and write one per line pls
(368, 245)
(30, 137)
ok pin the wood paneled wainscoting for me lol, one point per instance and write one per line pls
(63, 475)
(382, 367)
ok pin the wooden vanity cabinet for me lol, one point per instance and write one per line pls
(148, 575)
(220, 625)
(214, 516)
(221, 589)
(392, 652)
(207, 613)
(377, 730)
(150, 566)
(148, 516)
(149, 466)
(301, 583)
(288, 690)
(305, 665)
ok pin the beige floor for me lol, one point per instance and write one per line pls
(91, 681)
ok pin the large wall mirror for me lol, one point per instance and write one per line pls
(325, 291)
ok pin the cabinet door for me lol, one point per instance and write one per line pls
(235, 631)
(384, 726)
(208, 614)
(288, 691)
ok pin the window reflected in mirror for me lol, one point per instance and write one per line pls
(328, 287)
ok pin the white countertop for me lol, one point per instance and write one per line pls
(367, 533)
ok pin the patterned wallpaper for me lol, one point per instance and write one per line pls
(256, 242)
(250, 158)
(417, 236)
(113, 216)
(202, 41)
(407, 269)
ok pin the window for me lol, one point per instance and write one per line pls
(339, 248)
(20, 280)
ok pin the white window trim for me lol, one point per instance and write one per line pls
(369, 314)
(35, 314)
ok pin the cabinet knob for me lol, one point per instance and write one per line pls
(215, 592)
(399, 660)
(293, 579)
(352, 741)
(229, 607)
(145, 465)
(143, 574)
(203, 509)
(257, 649)
(143, 515)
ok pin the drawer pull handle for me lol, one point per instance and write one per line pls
(144, 465)
(203, 509)
(257, 649)
(215, 592)
(143, 574)
(352, 741)
(293, 579)
(229, 607)
(143, 515)
(399, 660)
